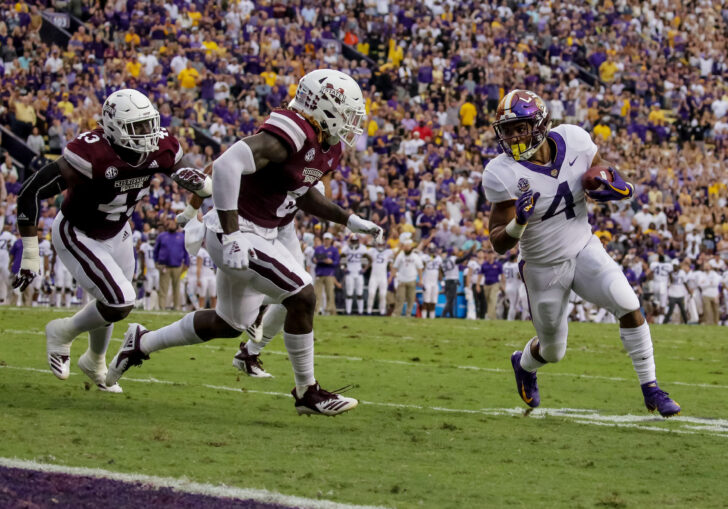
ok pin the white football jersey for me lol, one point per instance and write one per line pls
(7, 240)
(661, 271)
(354, 257)
(208, 266)
(380, 261)
(431, 270)
(45, 251)
(559, 227)
(450, 268)
(510, 272)
(475, 277)
(147, 251)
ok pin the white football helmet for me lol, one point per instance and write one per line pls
(334, 100)
(130, 120)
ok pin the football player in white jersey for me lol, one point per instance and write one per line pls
(538, 201)
(62, 280)
(205, 272)
(151, 274)
(381, 257)
(7, 239)
(354, 252)
(513, 284)
(661, 270)
(431, 274)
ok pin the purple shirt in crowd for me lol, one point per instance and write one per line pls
(17, 253)
(320, 254)
(170, 249)
(491, 272)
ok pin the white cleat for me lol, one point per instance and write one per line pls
(58, 347)
(317, 401)
(130, 354)
(97, 373)
(251, 365)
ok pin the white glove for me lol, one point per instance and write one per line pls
(194, 235)
(358, 225)
(236, 250)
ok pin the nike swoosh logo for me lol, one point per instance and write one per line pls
(523, 394)
(623, 192)
(572, 162)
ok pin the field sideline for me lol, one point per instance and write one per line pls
(439, 422)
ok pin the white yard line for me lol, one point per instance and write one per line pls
(183, 485)
(681, 424)
(425, 364)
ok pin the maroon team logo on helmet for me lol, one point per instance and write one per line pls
(110, 110)
(335, 94)
(523, 184)
(521, 106)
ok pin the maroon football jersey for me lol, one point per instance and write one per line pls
(102, 203)
(268, 196)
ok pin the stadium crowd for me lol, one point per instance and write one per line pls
(647, 79)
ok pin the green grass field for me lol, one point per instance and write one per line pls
(439, 422)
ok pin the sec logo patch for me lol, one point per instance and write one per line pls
(111, 172)
(523, 185)
(310, 155)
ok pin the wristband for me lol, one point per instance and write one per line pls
(514, 229)
(190, 212)
(30, 246)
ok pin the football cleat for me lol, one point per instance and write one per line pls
(250, 364)
(58, 347)
(255, 332)
(96, 371)
(657, 399)
(525, 382)
(317, 401)
(130, 354)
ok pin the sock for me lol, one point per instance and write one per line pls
(180, 333)
(300, 352)
(638, 344)
(57, 299)
(86, 319)
(528, 362)
(98, 342)
(69, 297)
(348, 306)
(360, 304)
(272, 324)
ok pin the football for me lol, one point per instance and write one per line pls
(589, 180)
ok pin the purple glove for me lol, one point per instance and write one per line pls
(612, 191)
(525, 205)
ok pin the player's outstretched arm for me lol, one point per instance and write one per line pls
(317, 204)
(45, 183)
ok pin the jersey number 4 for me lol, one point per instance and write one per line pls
(562, 193)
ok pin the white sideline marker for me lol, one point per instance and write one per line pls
(183, 485)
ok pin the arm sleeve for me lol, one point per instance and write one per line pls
(227, 169)
(45, 183)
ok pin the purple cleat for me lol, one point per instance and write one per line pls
(657, 399)
(525, 381)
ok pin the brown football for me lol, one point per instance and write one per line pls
(589, 180)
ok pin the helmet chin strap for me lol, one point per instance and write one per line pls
(332, 140)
